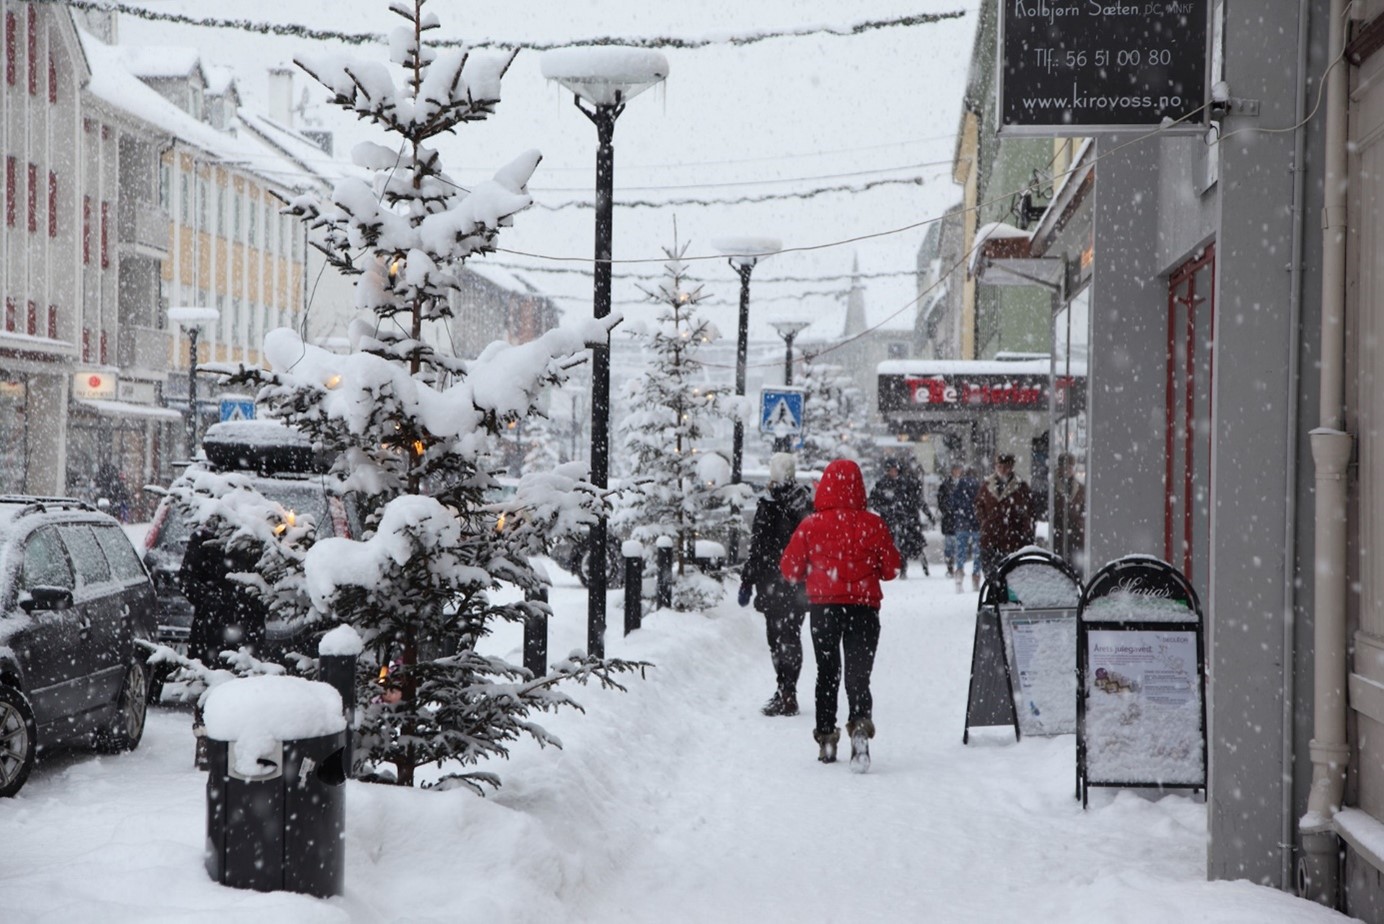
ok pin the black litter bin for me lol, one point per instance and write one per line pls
(278, 824)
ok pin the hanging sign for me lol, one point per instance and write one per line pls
(1068, 67)
(1141, 710)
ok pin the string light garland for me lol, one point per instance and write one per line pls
(297, 30)
(523, 268)
(742, 200)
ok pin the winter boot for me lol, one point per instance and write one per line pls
(782, 703)
(827, 745)
(861, 732)
(959, 577)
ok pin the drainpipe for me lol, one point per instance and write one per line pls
(1319, 868)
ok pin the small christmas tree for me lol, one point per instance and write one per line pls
(677, 488)
(413, 431)
(832, 407)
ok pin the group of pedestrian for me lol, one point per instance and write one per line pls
(839, 553)
(824, 556)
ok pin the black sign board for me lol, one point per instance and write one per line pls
(1141, 703)
(990, 698)
(1070, 66)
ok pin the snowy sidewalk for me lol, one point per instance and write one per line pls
(675, 802)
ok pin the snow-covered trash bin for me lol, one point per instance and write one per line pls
(276, 807)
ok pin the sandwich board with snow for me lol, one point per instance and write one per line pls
(1141, 711)
(1023, 663)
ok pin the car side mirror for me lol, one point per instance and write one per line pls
(43, 597)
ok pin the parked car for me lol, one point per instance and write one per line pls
(283, 468)
(74, 600)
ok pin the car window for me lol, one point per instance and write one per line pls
(87, 556)
(304, 498)
(45, 561)
(120, 554)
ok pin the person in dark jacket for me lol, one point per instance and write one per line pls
(1005, 508)
(956, 503)
(898, 498)
(841, 552)
(226, 612)
(1069, 513)
(783, 604)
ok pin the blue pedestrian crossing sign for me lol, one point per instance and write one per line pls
(237, 408)
(781, 411)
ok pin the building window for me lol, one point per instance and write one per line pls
(184, 200)
(33, 51)
(31, 322)
(9, 314)
(165, 171)
(86, 344)
(52, 322)
(203, 193)
(254, 223)
(52, 79)
(105, 357)
(52, 204)
(31, 195)
(220, 210)
(105, 234)
(11, 48)
(235, 215)
(86, 229)
(11, 187)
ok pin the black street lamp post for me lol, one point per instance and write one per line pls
(605, 78)
(190, 318)
(788, 330)
(743, 254)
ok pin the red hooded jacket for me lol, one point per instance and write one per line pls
(842, 549)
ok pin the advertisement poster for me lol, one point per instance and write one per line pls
(1041, 645)
(1143, 708)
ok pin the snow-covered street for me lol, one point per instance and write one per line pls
(674, 802)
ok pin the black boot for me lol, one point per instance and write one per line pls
(826, 742)
(782, 703)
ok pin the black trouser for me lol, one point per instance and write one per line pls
(854, 630)
(784, 627)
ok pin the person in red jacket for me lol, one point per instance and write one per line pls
(842, 552)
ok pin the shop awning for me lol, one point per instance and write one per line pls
(127, 409)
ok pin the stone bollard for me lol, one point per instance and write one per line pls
(633, 554)
(663, 596)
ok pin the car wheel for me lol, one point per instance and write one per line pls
(126, 727)
(18, 740)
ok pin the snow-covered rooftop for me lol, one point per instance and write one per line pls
(113, 82)
(154, 62)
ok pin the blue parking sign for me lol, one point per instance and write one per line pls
(781, 411)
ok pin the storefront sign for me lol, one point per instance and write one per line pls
(93, 385)
(1071, 66)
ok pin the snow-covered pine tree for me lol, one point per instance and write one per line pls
(676, 487)
(413, 431)
(832, 406)
(541, 443)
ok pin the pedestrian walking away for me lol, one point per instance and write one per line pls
(898, 498)
(842, 552)
(1005, 509)
(783, 604)
(956, 505)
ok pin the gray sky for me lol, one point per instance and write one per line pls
(783, 115)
